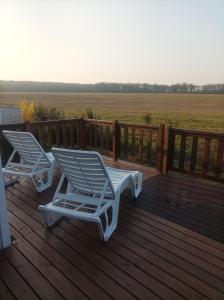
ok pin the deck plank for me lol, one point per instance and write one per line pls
(15, 282)
(5, 292)
(26, 269)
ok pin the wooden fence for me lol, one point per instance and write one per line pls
(193, 152)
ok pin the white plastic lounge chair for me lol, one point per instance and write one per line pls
(92, 192)
(34, 162)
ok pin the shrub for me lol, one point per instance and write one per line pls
(43, 113)
(90, 114)
(28, 110)
(55, 114)
(147, 118)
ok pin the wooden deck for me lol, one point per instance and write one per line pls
(168, 245)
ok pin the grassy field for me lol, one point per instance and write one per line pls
(195, 111)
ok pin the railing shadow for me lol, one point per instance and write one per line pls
(193, 205)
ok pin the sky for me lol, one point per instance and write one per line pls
(89, 41)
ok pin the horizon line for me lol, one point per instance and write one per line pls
(108, 82)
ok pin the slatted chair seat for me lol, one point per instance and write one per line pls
(34, 162)
(92, 191)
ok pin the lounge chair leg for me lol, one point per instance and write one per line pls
(136, 185)
(100, 228)
(39, 181)
(50, 218)
(105, 234)
(13, 179)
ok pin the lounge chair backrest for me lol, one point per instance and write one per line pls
(27, 146)
(85, 171)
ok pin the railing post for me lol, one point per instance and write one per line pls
(4, 150)
(166, 149)
(82, 133)
(30, 127)
(160, 140)
(115, 140)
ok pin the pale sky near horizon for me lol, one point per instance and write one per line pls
(88, 41)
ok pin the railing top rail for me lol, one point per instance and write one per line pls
(102, 122)
(198, 133)
(8, 126)
(138, 125)
(52, 122)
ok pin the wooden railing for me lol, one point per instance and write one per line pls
(99, 135)
(197, 153)
(140, 143)
(62, 133)
(193, 152)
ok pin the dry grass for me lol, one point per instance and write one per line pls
(204, 111)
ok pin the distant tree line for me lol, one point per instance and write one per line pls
(104, 87)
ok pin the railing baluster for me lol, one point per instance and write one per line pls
(115, 140)
(133, 141)
(171, 150)
(194, 150)
(82, 133)
(182, 152)
(126, 141)
(166, 149)
(149, 145)
(160, 137)
(218, 160)
(49, 136)
(95, 136)
(140, 150)
(101, 136)
(206, 157)
(57, 131)
(107, 138)
(40, 135)
(65, 136)
(72, 133)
